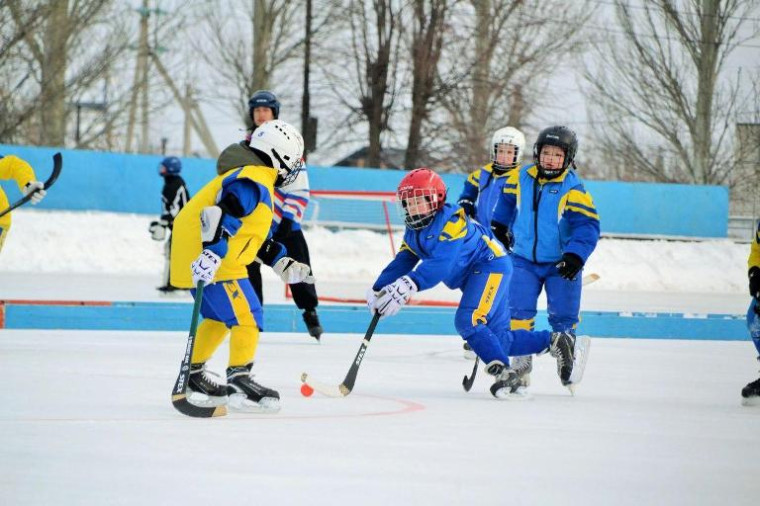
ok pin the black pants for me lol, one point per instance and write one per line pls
(304, 294)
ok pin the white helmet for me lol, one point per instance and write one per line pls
(284, 145)
(508, 135)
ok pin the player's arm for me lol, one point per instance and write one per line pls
(295, 200)
(13, 167)
(504, 212)
(402, 263)
(583, 219)
(469, 195)
(753, 264)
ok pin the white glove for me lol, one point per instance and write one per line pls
(392, 297)
(38, 195)
(371, 298)
(292, 272)
(205, 267)
(157, 230)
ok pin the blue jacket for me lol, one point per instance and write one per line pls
(448, 248)
(483, 188)
(548, 217)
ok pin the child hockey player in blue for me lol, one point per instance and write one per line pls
(555, 227)
(751, 393)
(442, 244)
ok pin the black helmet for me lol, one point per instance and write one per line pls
(559, 136)
(264, 98)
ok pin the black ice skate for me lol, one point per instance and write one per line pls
(561, 347)
(523, 366)
(751, 393)
(507, 385)
(203, 390)
(311, 320)
(247, 395)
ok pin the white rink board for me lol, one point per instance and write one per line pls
(86, 419)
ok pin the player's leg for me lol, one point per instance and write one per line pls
(481, 308)
(563, 299)
(3, 233)
(244, 317)
(524, 289)
(304, 294)
(751, 392)
(254, 277)
(204, 390)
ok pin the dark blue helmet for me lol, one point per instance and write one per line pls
(264, 98)
(559, 136)
(170, 165)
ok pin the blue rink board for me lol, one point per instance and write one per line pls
(355, 319)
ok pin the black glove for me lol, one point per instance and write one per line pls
(468, 206)
(754, 283)
(570, 265)
(503, 234)
(283, 229)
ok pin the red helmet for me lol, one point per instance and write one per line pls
(420, 195)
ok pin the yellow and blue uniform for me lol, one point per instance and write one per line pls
(483, 188)
(753, 319)
(463, 254)
(12, 167)
(548, 218)
(230, 302)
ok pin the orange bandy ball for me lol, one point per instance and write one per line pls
(306, 390)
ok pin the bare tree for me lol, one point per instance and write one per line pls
(427, 35)
(497, 64)
(250, 43)
(662, 91)
(59, 59)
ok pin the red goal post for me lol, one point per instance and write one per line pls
(354, 209)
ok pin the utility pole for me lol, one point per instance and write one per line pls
(140, 81)
(308, 124)
(196, 115)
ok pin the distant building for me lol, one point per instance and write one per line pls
(390, 158)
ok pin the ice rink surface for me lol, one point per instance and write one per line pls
(87, 420)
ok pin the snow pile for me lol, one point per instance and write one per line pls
(112, 243)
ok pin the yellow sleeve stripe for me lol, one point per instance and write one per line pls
(13, 167)
(473, 178)
(498, 251)
(455, 228)
(581, 199)
(583, 211)
(405, 247)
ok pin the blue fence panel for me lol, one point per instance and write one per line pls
(94, 180)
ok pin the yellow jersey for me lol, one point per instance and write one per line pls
(242, 247)
(13, 167)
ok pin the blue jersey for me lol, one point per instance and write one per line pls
(446, 250)
(483, 188)
(548, 217)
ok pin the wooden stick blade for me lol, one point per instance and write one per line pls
(184, 406)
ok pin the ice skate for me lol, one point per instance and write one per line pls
(580, 356)
(248, 396)
(468, 352)
(204, 391)
(751, 393)
(507, 385)
(523, 366)
(562, 348)
(311, 320)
